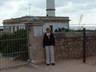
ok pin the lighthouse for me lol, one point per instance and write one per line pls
(50, 8)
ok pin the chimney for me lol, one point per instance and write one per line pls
(50, 5)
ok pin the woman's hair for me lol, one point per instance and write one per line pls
(48, 28)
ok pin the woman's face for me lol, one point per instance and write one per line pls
(48, 30)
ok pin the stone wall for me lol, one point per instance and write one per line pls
(70, 45)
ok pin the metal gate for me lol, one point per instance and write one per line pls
(13, 46)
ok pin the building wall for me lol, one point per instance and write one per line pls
(50, 4)
(55, 25)
(50, 13)
(13, 27)
(68, 47)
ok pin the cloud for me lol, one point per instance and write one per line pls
(76, 5)
(63, 2)
(38, 3)
(3, 2)
(71, 8)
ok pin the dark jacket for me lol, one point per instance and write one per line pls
(48, 41)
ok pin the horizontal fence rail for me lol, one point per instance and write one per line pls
(81, 26)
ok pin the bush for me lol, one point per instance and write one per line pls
(14, 44)
(61, 30)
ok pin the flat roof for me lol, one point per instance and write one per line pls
(25, 19)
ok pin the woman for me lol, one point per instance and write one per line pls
(48, 44)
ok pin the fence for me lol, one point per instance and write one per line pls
(13, 46)
(72, 46)
(14, 49)
(81, 26)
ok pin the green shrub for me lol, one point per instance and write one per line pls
(14, 44)
(61, 30)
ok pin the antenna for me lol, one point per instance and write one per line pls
(82, 27)
(81, 17)
(29, 6)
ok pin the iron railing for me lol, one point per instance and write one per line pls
(13, 46)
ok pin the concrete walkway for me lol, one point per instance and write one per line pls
(62, 66)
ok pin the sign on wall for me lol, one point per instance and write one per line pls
(38, 31)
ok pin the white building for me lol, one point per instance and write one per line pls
(19, 23)
(49, 20)
(50, 5)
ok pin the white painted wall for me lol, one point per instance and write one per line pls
(13, 27)
(55, 25)
(50, 4)
(51, 13)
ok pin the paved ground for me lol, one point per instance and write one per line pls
(9, 61)
(61, 66)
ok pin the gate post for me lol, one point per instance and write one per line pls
(84, 45)
(35, 35)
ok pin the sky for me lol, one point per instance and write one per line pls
(78, 11)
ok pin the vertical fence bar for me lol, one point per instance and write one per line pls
(13, 46)
(84, 45)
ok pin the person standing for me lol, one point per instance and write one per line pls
(48, 44)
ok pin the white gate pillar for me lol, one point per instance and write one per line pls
(35, 35)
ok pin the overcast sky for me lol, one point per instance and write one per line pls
(71, 8)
